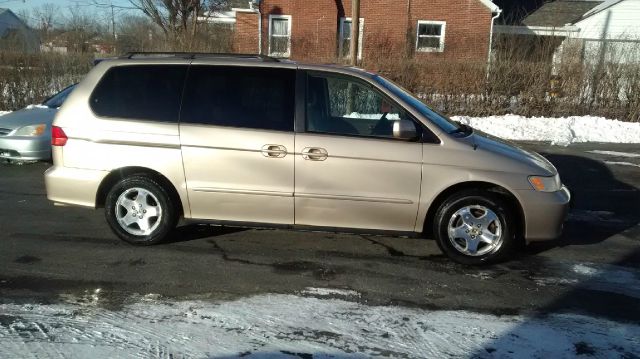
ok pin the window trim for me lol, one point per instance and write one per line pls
(341, 37)
(270, 35)
(440, 48)
(303, 102)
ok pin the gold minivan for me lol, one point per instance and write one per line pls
(253, 141)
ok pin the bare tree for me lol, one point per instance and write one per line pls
(79, 29)
(137, 33)
(45, 17)
(176, 17)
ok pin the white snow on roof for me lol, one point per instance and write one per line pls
(488, 3)
(605, 4)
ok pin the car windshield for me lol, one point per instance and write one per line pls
(56, 100)
(446, 124)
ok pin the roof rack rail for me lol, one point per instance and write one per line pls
(197, 55)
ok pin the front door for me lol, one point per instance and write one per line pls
(237, 142)
(350, 171)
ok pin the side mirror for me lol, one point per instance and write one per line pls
(404, 130)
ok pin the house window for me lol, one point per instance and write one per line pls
(280, 35)
(344, 44)
(430, 36)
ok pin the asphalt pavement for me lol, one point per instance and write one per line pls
(48, 252)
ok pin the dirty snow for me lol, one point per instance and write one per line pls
(269, 326)
(599, 277)
(559, 131)
(616, 153)
(618, 163)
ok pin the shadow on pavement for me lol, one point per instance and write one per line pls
(589, 319)
(192, 232)
(602, 205)
(606, 294)
(288, 354)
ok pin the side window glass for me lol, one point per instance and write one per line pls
(142, 92)
(342, 106)
(258, 98)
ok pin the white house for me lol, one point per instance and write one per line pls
(607, 30)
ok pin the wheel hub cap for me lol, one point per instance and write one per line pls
(138, 211)
(475, 231)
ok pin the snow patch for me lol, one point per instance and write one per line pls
(559, 131)
(372, 116)
(289, 326)
(4, 112)
(331, 292)
(616, 163)
(608, 278)
(615, 153)
(32, 106)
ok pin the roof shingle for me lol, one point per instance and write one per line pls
(560, 13)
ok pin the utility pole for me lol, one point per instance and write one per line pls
(355, 32)
(113, 27)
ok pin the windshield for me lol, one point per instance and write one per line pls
(447, 125)
(56, 100)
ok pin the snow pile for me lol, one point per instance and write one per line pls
(267, 326)
(560, 131)
(4, 112)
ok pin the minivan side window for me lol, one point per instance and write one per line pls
(344, 106)
(140, 92)
(236, 96)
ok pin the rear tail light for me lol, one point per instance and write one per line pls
(58, 137)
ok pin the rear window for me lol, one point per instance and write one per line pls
(258, 98)
(141, 92)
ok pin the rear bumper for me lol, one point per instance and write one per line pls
(544, 213)
(73, 186)
(25, 148)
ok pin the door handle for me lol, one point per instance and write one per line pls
(274, 151)
(314, 154)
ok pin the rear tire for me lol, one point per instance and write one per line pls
(140, 211)
(475, 227)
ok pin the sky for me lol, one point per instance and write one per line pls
(19, 5)
(101, 14)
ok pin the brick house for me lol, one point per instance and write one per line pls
(320, 30)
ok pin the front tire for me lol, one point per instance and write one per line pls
(475, 227)
(140, 211)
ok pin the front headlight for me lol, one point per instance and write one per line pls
(546, 184)
(31, 130)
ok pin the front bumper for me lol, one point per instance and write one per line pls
(544, 213)
(25, 148)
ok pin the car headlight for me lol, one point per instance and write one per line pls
(546, 184)
(31, 130)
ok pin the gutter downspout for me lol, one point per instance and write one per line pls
(493, 19)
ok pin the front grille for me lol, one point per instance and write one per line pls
(5, 131)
